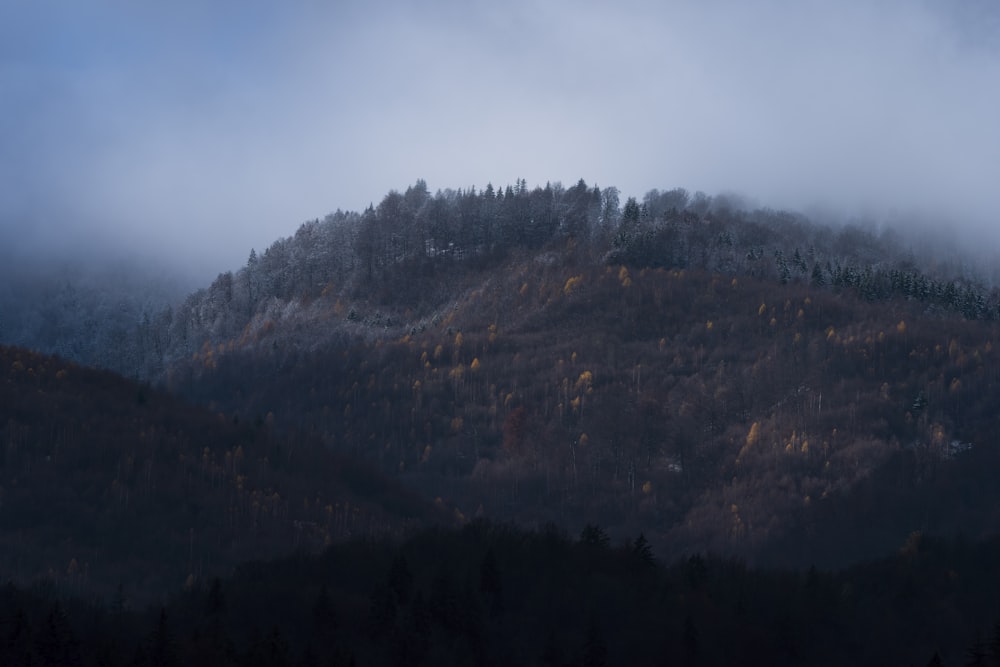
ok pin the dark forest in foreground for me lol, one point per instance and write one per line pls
(492, 594)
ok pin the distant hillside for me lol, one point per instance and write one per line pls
(399, 266)
(107, 483)
(722, 379)
(94, 312)
(715, 413)
(746, 382)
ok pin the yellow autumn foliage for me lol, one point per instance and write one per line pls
(571, 284)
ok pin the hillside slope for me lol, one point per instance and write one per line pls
(715, 412)
(107, 483)
(747, 382)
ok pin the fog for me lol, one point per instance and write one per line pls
(185, 134)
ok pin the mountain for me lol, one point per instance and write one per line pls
(110, 485)
(371, 443)
(716, 413)
(725, 380)
(734, 381)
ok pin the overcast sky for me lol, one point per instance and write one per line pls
(197, 130)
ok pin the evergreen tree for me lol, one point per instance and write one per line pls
(17, 642)
(55, 644)
(818, 279)
(551, 656)
(382, 614)
(271, 650)
(595, 652)
(628, 230)
(995, 645)
(689, 638)
(977, 655)
(643, 551)
(490, 582)
(400, 579)
(162, 646)
(594, 536)
(216, 602)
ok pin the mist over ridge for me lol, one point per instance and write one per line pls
(117, 136)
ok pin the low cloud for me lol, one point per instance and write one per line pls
(196, 133)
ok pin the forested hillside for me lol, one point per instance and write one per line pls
(725, 379)
(697, 389)
(91, 310)
(400, 266)
(107, 485)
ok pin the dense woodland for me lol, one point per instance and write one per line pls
(87, 310)
(750, 385)
(713, 376)
(493, 594)
(108, 486)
